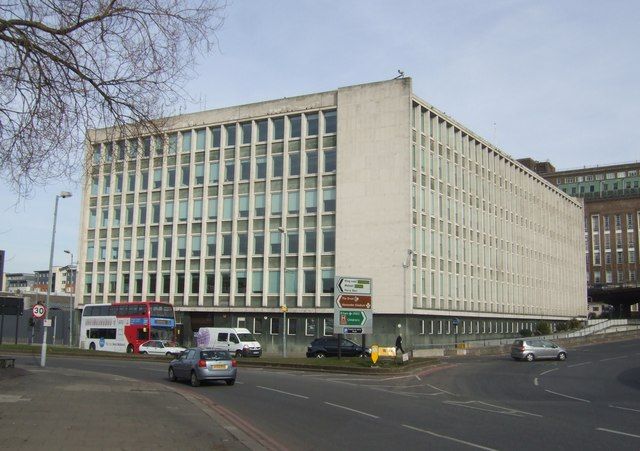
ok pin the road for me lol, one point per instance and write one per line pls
(591, 401)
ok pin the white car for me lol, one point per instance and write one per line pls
(161, 347)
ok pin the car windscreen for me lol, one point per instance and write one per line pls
(246, 337)
(215, 355)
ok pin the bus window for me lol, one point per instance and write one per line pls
(222, 336)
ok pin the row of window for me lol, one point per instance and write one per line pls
(630, 275)
(599, 176)
(242, 204)
(606, 222)
(206, 245)
(261, 282)
(166, 177)
(230, 134)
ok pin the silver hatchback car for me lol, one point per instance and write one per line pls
(531, 349)
(204, 364)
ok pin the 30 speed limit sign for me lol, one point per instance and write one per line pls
(38, 310)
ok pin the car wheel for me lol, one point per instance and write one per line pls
(530, 357)
(195, 382)
(130, 349)
(92, 346)
(168, 354)
(320, 355)
(562, 356)
(230, 381)
(238, 353)
(172, 375)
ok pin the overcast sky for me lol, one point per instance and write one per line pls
(552, 80)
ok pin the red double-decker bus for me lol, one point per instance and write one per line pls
(123, 327)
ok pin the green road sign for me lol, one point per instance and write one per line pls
(352, 318)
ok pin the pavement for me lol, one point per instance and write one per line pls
(62, 409)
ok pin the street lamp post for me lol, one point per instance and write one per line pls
(43, 354)
(71, 298)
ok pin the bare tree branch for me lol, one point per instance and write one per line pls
(67, 66)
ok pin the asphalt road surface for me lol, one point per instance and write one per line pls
(591, 401)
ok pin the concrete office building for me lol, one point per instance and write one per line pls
(233, 213)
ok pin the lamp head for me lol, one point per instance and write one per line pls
(65, 194)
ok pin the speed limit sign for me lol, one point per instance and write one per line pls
(38, 310)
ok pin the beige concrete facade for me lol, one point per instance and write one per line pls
(443, 222)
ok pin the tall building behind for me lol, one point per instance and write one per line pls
(611, 228)
(230, 214)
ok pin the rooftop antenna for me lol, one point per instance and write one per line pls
(400, 75)
(495, 134)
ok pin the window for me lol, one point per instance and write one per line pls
(311, 201)
(310, 327)
(330, 121)
(231, 134)
(199, 174)
(196, 242)
(259, 204)
(211, 283)
(258, 243)
(276, 203)
(294, 164)
(241, 282)
(200, 138)
(275, 243)
(312, 162)
(256, 282)
(312, 124)
(277, 170)
(243, 206)
(292, 242)
(186, 141)
(182, 246)
(214, 172)
(168, 211)
(167, 247)
(329, 199)
(246, 132)
(215, 137)
(330, 160)
(310, 241)
(294, 129)
(245, 169)
(310, 281)
(328, 240)
(226, 283)
(257, 326)
(171, 177)
(154, 247)
(229, 168)
(292, 326)
(197, 209)
(278, 128)
(328, 276)
(144, 181)
(212, 208)
(293, 204)
(274, 282)
(157, 178)
(262, 130)
(261, 167)
(226, 244)
(105, 217)
(139, 248)
(183, 208)
(127, 248)
(274, 326)
(211, 245)
(290, 281)
(180, 283)
(195, 283)
(242, 243)
(227, 208)
(327, 326)
(142, 215)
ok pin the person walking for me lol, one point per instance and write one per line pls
(399, 345)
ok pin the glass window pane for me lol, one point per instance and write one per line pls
(290, 282)
(312, 124)
(294, 164)
(231, 134)
(312, 162)
(278, 128)
(276, 203)
(330, 121)
(294, 122)
(293, 202)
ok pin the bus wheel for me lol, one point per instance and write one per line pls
(130, 349)
(92, 346)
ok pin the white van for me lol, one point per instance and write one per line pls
(238, 341)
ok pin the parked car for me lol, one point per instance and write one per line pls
(531, 349)
(328, 347)
(161, 347)
(204, 364)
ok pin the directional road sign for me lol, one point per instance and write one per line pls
(352, 310)
(354, 301)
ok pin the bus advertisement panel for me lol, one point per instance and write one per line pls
(123, 327)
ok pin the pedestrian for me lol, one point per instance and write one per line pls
(399, 344)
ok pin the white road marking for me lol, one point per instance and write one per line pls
(614, 358)
(13, 398)
(535, 381)
(617, 432)
(567, 396)
(418, 377)
(395, 377)
(500, 409)
(624, 408)
(548, 371)
(443, 391)
(283, 392)
(350, 409)
(474, 445)
(578, 364)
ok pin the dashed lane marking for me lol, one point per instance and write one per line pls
(617, 432)
(548, 371)
(283, 392)
(567, 396)
(614, 358)
(351, 410)
(446, 437)
(486, 407)
(624, 408)
(578, 364)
